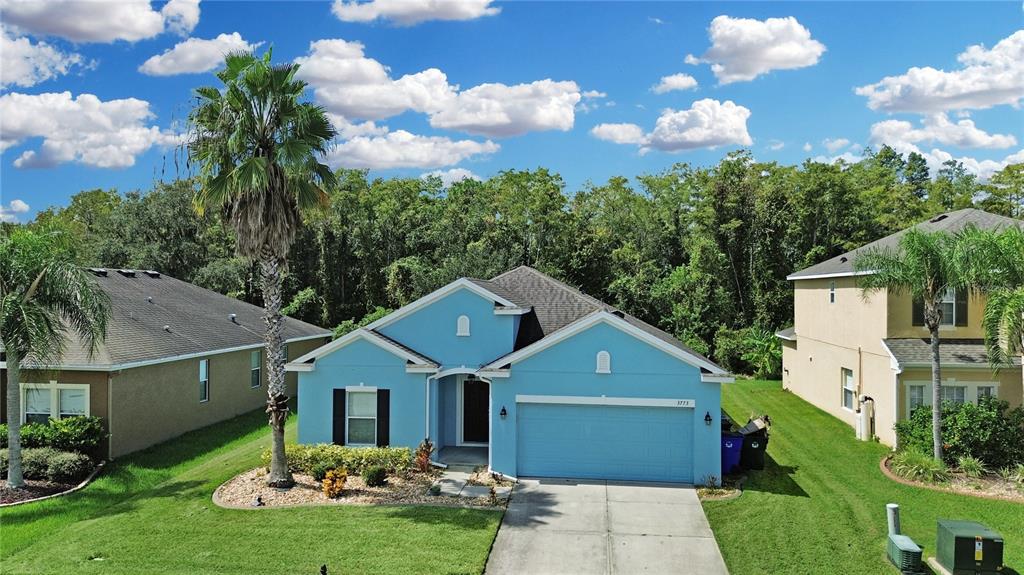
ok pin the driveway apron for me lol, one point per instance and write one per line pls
(564, 526)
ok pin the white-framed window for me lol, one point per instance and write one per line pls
(948, 307)
(915, 397)
(254, 368)
(204, 380)
(604, 362)
(361, 418)
(954, 393)
(42, 401)
(832, 291)
(462, 326)
(986, 391)
(849, 389)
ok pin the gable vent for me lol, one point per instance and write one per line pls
(127, 273)
(604, 362)
(100, 272)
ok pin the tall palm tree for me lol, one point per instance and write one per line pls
(924, 266)
(257, 148)
(43, 295)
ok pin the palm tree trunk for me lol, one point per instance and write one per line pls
(14, 473)
(936, 395)
(277, 400)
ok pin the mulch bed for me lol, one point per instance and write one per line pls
(481, 477)
(33, 489)
(408, 489)
(987, 487)
(731, 488)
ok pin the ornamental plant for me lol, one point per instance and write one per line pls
(334, 483)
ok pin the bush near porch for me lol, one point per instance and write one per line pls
(988, 431)
(308, 458)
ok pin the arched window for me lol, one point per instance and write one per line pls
(462, 326)
(604, 362)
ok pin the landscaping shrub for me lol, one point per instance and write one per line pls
(375, 476)
(422, 458)
(32, 435)
(914, 465)
(47, 463)
(971, 466)
(81, 434)
(334, 482)
(320, 470)
(303, 458)
(989, 431)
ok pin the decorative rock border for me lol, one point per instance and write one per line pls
(883, 465)
(78, 487)
(730, 496)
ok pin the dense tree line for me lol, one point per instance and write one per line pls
(701, 252)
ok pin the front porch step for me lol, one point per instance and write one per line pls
(462, 468)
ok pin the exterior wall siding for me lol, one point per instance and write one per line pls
(431, 330)
(96, 380)
(900, 319)
(638, 371)
(1008, 380)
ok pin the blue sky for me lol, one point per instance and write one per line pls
(477, 87)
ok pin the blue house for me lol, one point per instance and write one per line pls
(528, 374)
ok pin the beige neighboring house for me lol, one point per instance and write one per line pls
(177, 357)
(846, 344)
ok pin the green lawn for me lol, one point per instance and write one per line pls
(152, 513)
(819, 506)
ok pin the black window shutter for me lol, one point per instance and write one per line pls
(383, 417)
(918, 313)
(339, 417)
(961, 307)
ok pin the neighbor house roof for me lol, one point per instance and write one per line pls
(788, 334)
(951, 222)
(155, 318)
(916, 352)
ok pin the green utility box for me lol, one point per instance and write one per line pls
(968, 548)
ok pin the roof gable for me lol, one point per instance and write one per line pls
(308, 362)
(502, 303)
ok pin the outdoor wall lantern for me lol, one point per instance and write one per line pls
(503, 413)
(707, 418)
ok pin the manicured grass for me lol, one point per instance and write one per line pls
(152, 513)
(819, 506)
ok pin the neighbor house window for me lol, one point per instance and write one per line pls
(604, 362)
(254, 368)
(462, 326)
(986, 391)
(361, 424)
(954, 393)
(948, 307)
(915, 397)
(204, 380)
(831, 292)
(849, 391)
(43, 401)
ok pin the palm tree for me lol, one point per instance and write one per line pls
(923, 265)
(43, 295)
(257, 149)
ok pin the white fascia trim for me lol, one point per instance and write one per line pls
(420, 369)
(144, 363)
(511, 310)
(494, 373)
(894, 364)
(589, 321)
(361, 333)
(946, 366)
(709, 378)
(602, 400)
(436, 295)
(794, 277)
(780, 336)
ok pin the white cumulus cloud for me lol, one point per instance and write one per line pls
(744, 48)
(776, 145)
(195, 55)
(706, 124)
(674, 82)
(353, 86)
(401, 149)
(84, 129)
(939, 129)
(410, 12)
(24, 63)
(987, 77)
(79, 21)
(10, 212)
(449, 177)
(808, 147)
(833, 145)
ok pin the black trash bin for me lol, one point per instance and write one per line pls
(754, 447)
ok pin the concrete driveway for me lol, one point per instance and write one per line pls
(568, 526)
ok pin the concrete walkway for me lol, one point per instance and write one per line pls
(561, 526)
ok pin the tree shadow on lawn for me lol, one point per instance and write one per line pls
(774, 478)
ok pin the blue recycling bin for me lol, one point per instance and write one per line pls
(732, 447)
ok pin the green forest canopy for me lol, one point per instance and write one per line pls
(701, 252)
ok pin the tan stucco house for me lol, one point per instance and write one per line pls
(177, 357)
(846, 344)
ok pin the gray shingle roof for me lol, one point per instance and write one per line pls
(949, 222)
(198, 321)
(423, 359)
(499, 290)
(557, 304)
(952, 352)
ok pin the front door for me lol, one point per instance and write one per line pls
(475, 407)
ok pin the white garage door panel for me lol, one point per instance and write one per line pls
(605, 442)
